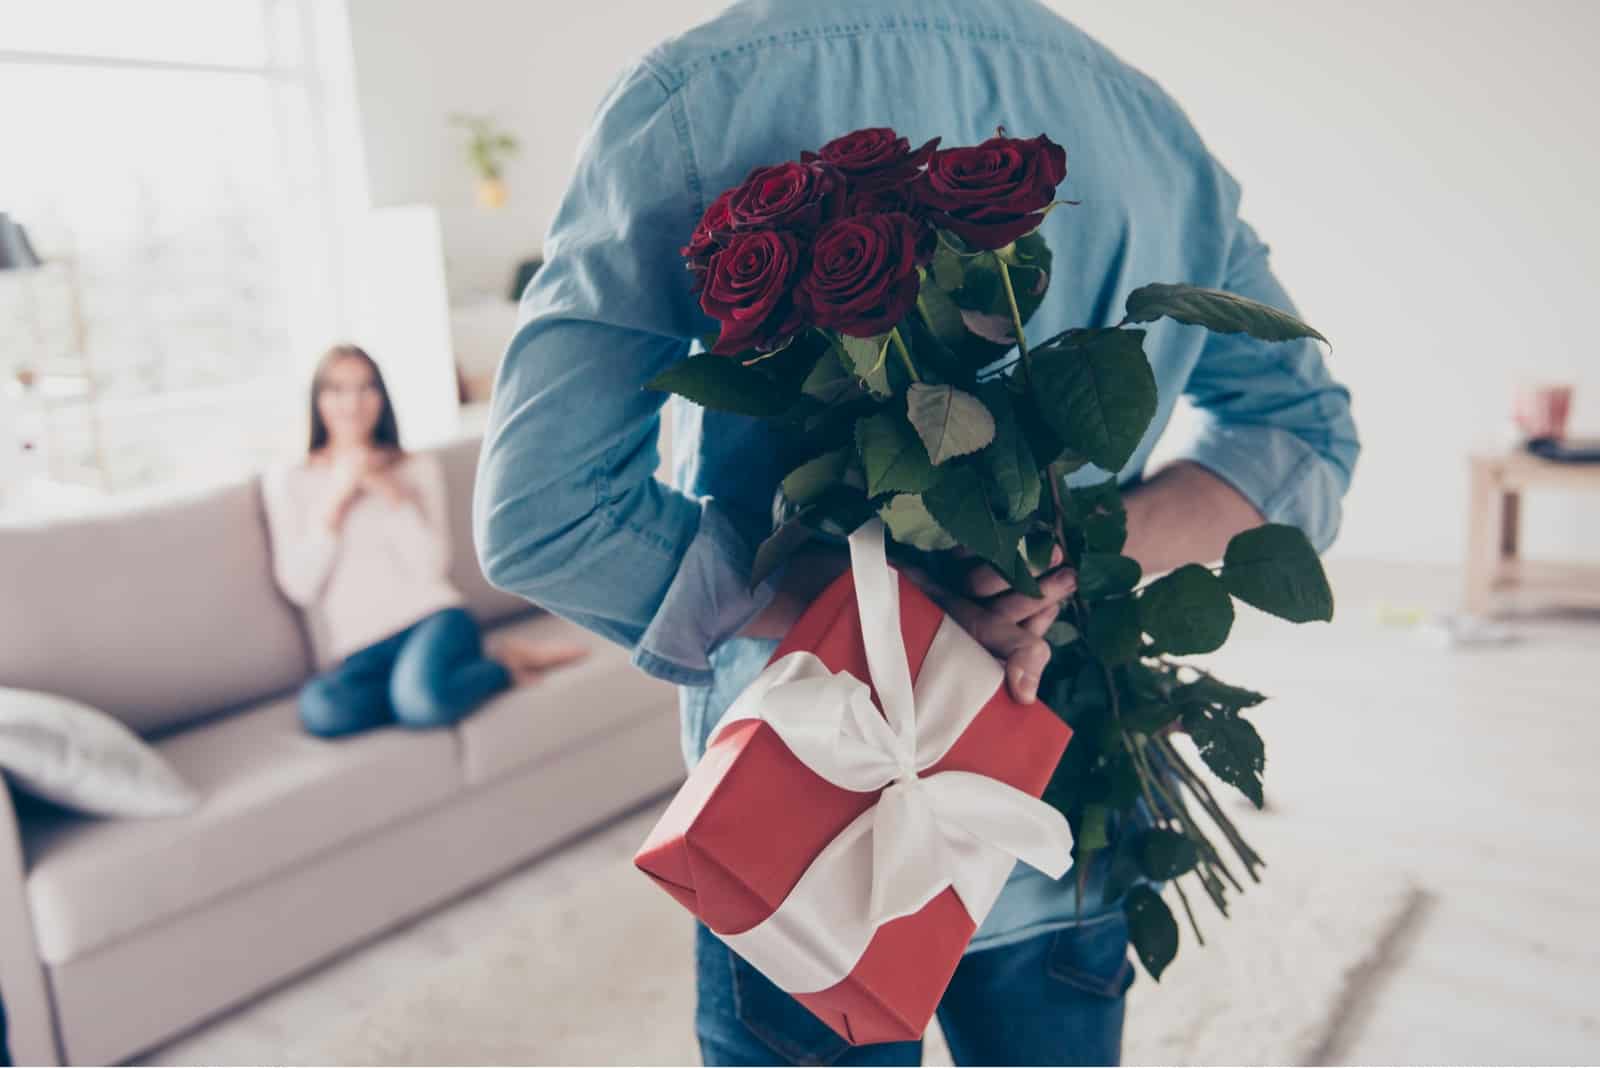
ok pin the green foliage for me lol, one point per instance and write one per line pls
(1114, 630)
(1230, 747)
(868, 359)
(1097, 392)
(1186, 611)
(1151, 928)
(1216, 310)
(893, 456)
(1106, 574)
(725, 385)
(960, 504)
(812, 479)
(910, 523)
(488, 147)
(1008, 458)
(951, 422)
(1274, 568)
(1165, 854)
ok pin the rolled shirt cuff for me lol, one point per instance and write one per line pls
(709, 600)
(1286, 479)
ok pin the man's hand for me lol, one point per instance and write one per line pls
(1009, 624)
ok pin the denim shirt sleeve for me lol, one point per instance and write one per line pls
(567, 510)
(1274, 423)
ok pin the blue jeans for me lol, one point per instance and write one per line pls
(1056, 998)
(429, 675)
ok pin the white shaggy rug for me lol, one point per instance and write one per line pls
(604, 976)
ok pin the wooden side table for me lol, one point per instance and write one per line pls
(1494, 518)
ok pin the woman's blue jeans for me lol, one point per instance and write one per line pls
(1056, 998)
(429, 675)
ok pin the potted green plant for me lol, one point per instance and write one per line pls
(488, 149)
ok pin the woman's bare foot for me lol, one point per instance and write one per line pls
(529, 661)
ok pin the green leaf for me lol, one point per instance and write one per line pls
(1008, 458)
(1105, 574)
(910, 523)
(867, 358)
(1097, 392)
(1213, 691)
(960, 504)
(1186, 611)
(723, 384)
(1148, 717)
(893, 455)
(811, 479)
(940, 313)
(1092, 837)
(1151, 928)
(1216, 310)
(778, 547)
(1038, 547)
(951, 422)
(1113, 630)
(1061, 633)
(1230, 747)
(828, 381)
(1165, 854)
(1274, 568)
(1096, 510)
(947, 268)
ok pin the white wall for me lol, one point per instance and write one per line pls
(1420, 169)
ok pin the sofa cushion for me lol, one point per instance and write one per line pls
(271, 796)
(568, 707)
(460, 462)
(157, 614)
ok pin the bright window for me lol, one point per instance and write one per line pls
(167, 161)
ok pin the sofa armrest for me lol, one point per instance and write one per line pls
(30, 1018)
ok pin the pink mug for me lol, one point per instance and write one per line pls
(1541, 411)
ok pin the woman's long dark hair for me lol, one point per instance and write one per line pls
(386, 435)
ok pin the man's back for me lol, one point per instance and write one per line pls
(568, 511)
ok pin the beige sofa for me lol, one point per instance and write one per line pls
(118, 934)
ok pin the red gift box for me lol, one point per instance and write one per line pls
(751, 818)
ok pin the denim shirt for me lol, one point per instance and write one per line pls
(568, 511)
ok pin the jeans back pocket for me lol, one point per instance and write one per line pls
(1093, 956)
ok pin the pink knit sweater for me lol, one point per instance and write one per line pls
(385, 569)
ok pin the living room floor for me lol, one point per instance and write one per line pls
(1468, 768)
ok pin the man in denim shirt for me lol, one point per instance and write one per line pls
(569, 514)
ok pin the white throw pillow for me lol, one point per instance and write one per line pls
(77, 756)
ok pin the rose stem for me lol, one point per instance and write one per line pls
(1052, 473)
(905, 354)
(1155, 813)
(1208, 801)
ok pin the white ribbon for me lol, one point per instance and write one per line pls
(952, 828)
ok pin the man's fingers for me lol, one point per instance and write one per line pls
(1024, 652)
(1040, 621)
(1024, 668)
(984, 581)
(1055, 587)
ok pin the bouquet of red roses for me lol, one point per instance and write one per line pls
(866, 294)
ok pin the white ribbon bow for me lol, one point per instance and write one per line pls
(952, 828)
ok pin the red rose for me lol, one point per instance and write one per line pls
(748, 289)
(883, 200)
(708, 235)
(873, 158)
(992, 194)
(788, 196)
(863, 275)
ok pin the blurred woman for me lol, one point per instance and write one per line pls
(360, 541)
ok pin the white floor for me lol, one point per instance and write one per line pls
(1469, 767)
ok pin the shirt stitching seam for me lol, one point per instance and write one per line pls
(896, 24)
